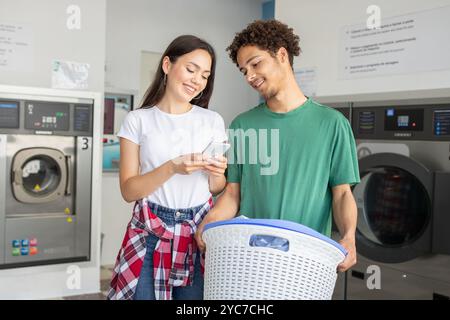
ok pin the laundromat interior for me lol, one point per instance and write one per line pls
(70, 72)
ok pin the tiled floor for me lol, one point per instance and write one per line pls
(105, 278)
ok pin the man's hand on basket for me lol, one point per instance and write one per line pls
(198, 234)
(350, 259)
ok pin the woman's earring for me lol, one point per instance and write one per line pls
(165, 79)
(196, 98)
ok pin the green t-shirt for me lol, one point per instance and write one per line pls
(287, 163)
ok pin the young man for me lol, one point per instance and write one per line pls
(292, 158)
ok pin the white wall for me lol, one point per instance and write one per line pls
(52, 40)
(143, 25)
(318, 24)
(152, 25)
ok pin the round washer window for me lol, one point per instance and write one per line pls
(40, 175)
(396, 206)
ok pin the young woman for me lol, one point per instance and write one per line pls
(163, 171)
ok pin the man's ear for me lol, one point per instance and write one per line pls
(166, 64)
(283, 55)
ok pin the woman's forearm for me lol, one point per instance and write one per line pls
(140, 186)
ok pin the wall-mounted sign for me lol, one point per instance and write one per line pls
(409, 43)
(70, 75)
(307, 81)
(16, 47)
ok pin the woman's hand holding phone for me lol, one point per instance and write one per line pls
(188, 163)
(216, 165)
(214, 156)
(212, 160)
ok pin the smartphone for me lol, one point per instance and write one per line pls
(215, 148)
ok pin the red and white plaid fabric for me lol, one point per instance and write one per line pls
(172, 268)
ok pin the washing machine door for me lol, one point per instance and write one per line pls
(39, 175)
(394, 208)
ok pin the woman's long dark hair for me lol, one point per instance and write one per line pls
(178, 47)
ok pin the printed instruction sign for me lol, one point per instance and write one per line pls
(307, 81)
(404, 44)
(16, 47)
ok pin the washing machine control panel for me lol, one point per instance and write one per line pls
(9, 114)
(441, 122)
(46, 117)
(403, 119)
(404, 122)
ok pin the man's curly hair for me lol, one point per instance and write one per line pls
(269, 35)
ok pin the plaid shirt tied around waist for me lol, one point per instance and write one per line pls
(172, 267)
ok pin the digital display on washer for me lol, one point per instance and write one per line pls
(50, 116)
(366, 124)
(9, 114)
(82, 118)
(403, 119)
(441, 122)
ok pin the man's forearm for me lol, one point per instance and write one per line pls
(227, 205)
(345, 214)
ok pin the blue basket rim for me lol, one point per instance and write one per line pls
(276, 223)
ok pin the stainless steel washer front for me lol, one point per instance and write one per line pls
(40, 177)
(46, 161)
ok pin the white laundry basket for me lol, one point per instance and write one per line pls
(256, 259)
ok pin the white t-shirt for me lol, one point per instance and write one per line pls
(163, 136)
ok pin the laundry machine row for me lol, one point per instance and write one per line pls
(45, 179)
(403, 231)
(403, 199)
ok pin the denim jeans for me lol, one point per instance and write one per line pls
(145, 289)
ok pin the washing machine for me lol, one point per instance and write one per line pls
(403, 231)
(45, 180)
